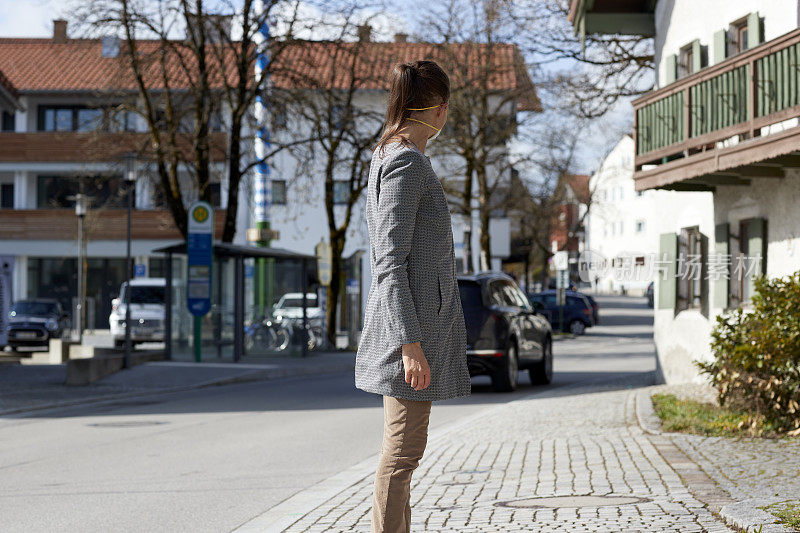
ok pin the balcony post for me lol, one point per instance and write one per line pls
(753, 101)
(687, 114)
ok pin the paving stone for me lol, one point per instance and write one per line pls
(565, 445)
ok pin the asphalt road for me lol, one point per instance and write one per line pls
(211, 459)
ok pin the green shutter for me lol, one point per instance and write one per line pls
(697, 56)
(721, 278)
(754, 36)
(667, 254)
(720, 46)
(704, 292)
(670, 64)
(756, 245)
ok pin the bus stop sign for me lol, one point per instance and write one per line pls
(199, 251)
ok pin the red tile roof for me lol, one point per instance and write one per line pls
(6, 84)
(579, 183)
(41, 65)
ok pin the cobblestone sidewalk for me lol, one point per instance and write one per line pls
(755, 472)
(487, 475)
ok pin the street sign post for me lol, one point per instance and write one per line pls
(324, 272)
(561, 264)
(200, 255)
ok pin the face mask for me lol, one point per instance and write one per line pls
(437, 130)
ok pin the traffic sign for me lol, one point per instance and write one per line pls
(199, 251)
(324, 263)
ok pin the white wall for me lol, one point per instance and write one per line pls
(616, 208)
(679, 22)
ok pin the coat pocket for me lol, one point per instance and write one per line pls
(441, 294)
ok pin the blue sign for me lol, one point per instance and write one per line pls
(200, 253)
(139, 271)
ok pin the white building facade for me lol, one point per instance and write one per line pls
(623, 224)
(723, 119)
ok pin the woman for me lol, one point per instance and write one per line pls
(413, 345)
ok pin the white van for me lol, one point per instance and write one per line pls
(147, 311)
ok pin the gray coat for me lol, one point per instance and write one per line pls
(413, 295)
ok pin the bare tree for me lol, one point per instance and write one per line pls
(610, 68)
(490, 85)
(328, 97)
(186, 85)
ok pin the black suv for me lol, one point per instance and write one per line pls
(504, 333)
(35, 322)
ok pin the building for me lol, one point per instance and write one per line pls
(61, 136)
(567, 222)
(623, 224)
(723, 119)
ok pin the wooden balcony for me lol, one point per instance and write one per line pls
(727, 124)
(105, 225)
(73, 146)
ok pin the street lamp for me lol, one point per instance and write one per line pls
(81, 206)
(130, 187)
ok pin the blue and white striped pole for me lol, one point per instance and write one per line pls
(262, 197)
(263, 188)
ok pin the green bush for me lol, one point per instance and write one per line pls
(756, 364)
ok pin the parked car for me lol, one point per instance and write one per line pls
(504, 332)
(649, 294)
(147, 300)
(595, 308)
(34, 322)
(578, 313)
(290, 306)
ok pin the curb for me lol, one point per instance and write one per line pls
(744, 515)
(747, 516)
(256, 375)
(646, 415)
(281, 516)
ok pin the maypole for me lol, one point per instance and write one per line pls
(262, 197)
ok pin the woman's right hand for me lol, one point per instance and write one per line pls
(418, 373)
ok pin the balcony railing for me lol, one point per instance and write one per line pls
(736, 97)
(73, 146)
(100, 225)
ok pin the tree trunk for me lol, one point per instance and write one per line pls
(234, 179)
(334, 289)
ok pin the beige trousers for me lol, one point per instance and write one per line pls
(405, 434)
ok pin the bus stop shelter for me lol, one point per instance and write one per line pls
(231, 264)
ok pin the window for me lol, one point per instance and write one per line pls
(123, 121)
(71, 118)
(685, 62)
(747, 259)
(53, 192)
(639, 226)
(7, 196)
(89, 119)
(737, 37)
(279, 192)
(692, 289)
(8, 123)
(470, 293)
(215, 193)
(341, 191)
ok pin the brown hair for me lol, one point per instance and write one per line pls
(414, 84)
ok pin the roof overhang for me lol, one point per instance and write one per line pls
(8, 94)
(619, 17)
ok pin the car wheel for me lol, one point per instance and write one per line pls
(541, 373)
(577, 327)
(505, 380)
(119, 343)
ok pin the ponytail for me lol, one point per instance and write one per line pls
(416, 84)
